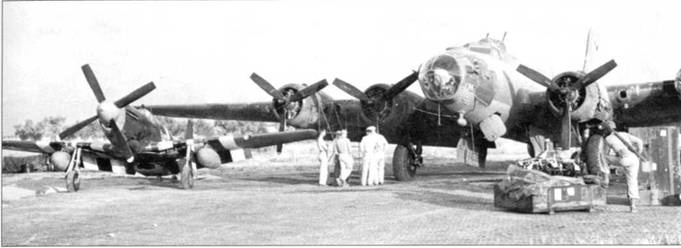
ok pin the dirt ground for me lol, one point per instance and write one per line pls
(277, 201)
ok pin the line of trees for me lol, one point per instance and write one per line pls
(50, 127)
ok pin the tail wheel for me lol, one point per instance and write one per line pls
(187, 176)
(72, 181)
(404, 166)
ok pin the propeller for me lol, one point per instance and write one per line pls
(285, 99)
(567, 92)
(106, 110)
(374, 102)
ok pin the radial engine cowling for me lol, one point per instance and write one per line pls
(303, 113)
(584, 101)
(394, 110)
(208, 157)
(60, 160)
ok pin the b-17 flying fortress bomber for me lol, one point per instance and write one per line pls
(474, 95)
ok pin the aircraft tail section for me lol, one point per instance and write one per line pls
(591, 51)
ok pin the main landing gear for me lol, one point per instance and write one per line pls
(188, 169)
(594, 155)
(406, 160)
(73, 172)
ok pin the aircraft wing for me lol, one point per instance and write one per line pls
(228, 148)
(261, 111)
(103, 150)
(647, 104)
(261, 140)
(33, 146)
(229, 142)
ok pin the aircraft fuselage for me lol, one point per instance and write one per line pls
(477, 81)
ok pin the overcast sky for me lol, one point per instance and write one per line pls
(204, 51)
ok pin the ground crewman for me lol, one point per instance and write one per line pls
(341, 147)
(382, 145)
(323, 157)
(367, 150)
(627, 159)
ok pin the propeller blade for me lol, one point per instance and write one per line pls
(92, 81)
(282, 127)
(267, 87)
(309, 90)
(401, 86)
(537, 77)
(189, 132)
(596, 74)
(351, 90)
(566, 127)
(137, 94)
(120, 142)
(75, 128)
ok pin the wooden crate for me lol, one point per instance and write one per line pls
(560, 198)
(663, 177)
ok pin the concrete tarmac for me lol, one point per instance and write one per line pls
(276, 201)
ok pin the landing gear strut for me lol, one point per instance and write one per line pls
(73, 172)
(188, 169)
(406, 160)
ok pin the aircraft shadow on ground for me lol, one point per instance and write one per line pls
(448, 200)
(291, 179)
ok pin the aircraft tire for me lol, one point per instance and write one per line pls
(595, 150)
(72, 181)
(187, 176)
(402, 164)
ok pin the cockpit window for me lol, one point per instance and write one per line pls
(485, 50)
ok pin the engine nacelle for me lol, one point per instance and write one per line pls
(60, 160)
(208, 157)
(303, 113)
(394, 110)
(586, 103)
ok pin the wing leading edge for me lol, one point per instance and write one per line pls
(261, 111)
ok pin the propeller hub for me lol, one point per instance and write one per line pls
(567, 93)
(285, 107)
(107, 111)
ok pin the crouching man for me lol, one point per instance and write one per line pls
(627, 158)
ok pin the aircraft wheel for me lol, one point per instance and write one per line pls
(72, 181)
(403, 164)
(595, 152)
(187, 176)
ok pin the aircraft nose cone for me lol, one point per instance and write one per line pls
(106, 111)
(440, 77)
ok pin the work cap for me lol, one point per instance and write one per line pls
(371, 128)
